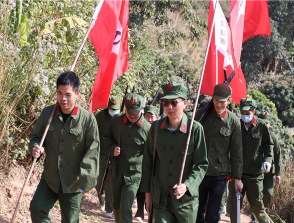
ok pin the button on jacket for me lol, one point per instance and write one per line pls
(72, 149)
(170, 149)
(223, 142)
(132, 140)
(257, 147)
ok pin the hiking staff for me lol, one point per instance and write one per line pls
(34, 162)
(197, 96)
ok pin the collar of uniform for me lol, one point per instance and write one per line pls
(73, 114)
(182, 127)
(139, 122)
(221, 116)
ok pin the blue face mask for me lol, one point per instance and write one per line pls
(246, 118)
(113, 112)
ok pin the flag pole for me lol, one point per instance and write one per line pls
(92, 22)
(197, 96)
(216, 56)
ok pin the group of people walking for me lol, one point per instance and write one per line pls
(146, 157)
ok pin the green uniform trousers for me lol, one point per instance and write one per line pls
(268, 192)
(106, 198)
(184, 214)
(123, 197)
(45, 198)
(253, 186)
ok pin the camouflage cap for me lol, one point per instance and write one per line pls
(114, 103)
(222, 92)
(134, 103)
(246, 104)
(174, 90)
(152, 109)
(266, 117)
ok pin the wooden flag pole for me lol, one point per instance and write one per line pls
(197, 96)
(92, 22)
(34, 162)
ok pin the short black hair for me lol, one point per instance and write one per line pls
(69, 78)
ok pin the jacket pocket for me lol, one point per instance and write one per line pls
(160, 151)
(225, 131)
(77, 134)
(225, 162)
(190, 149)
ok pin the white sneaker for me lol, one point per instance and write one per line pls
(108, 215)
(139, 219)
(102, 207)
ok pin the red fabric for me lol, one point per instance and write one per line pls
(75, 111)
(104, 37)
(238, 83)
(256, 20)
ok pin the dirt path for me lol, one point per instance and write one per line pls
(11, 185)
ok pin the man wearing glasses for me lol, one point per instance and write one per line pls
(223, 139)
(174, 202)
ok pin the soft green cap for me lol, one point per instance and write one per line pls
(174, 90)
(134, 103)
(266, 117)
(114, 103)
(152, 109)
(222, 92)
(246, 104)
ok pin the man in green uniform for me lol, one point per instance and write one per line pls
(125, 139)
(173, 202)
(223, 139)
(103, 119)
(151, 115)
(72, 154)
(268, 182)
(257, 156)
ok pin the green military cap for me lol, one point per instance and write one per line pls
(114, 103)
(266, 117)
(222, 92)
(174, 90)
(134, 103)
(152, 109)
(247, 103)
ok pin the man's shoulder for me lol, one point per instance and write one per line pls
(232, 117)
(102, 113)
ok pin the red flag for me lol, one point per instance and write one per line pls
(221, 41)
(256, 20)
(109, 37)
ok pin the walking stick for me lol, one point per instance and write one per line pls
(238, 206)
(197, 96)
(34, 162)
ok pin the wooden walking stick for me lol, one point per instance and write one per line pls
(197, 96)
(34, 162)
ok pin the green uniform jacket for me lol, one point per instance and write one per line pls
(257, 147)
(103, 119)
(132, 140)
(277, 164)
(223, 142)
(170, 149)
(72, 149)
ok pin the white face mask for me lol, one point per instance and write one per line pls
(246, 118)
(113, 112)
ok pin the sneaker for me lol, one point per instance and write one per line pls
(139, 219)
(102, 207)
(108, 215)
(253, 221)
